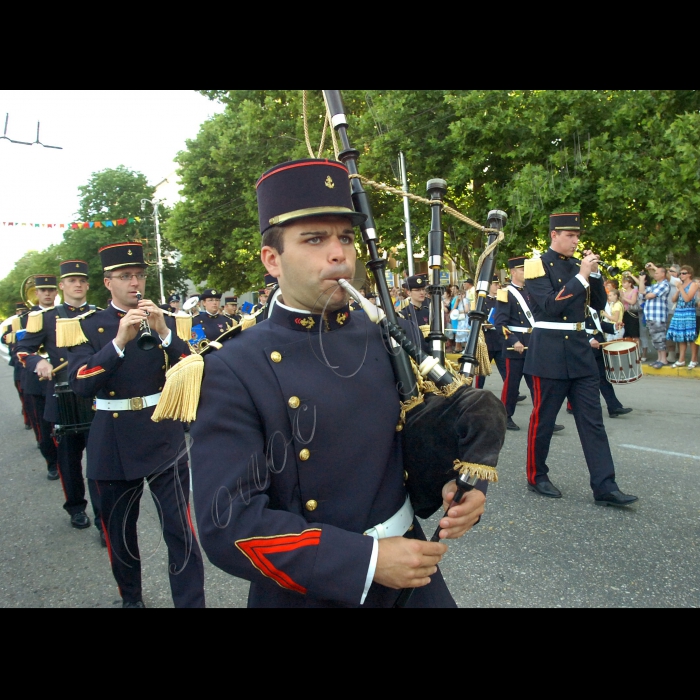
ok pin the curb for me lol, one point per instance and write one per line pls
(681, 372)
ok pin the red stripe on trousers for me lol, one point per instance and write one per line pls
(532, 436)
(504, 393)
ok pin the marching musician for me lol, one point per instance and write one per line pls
(34, 390)
(283, 489)
(74, 287)
(19, 320)
(561, 362)
(596, 327)
(418, 310)
(231, 308)
(514, 322)
(213, 323)
(174, 303)
(264, 294)
(124, 445)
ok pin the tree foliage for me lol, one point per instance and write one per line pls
(109, 194)
(629, 160)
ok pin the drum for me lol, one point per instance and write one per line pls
(74, 412)
(622, 362)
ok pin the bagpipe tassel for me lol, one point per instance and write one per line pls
(180, 397)
(69, 332)
(480, 471)
(482, 356)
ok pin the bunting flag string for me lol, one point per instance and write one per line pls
(80, 224)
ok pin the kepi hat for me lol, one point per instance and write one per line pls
(118, 255)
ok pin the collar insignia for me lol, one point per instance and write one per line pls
(307, 322)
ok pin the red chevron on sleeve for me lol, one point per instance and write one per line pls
(257, 549)
(22, 357)
(85, 373)
(559, 296)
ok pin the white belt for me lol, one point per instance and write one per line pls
(135, 404)
(519, 329)
(397, 524)
(561, 326)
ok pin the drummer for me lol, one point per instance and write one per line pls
(596, 327)
(74, 286)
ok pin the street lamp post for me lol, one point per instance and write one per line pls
(155, 203)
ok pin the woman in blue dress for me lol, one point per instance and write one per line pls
(682, 328)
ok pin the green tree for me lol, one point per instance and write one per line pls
(629, 160)
(110, 194)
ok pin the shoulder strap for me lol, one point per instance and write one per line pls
(61, 311)
(523, 304)
(596, 319)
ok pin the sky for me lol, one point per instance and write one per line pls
(97, 129)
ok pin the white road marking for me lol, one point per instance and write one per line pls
(663, 452)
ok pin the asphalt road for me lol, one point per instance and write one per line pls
(527, 551)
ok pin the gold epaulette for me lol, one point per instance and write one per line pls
(69, 332)
(16, 324)
(425, 330)
(534, 268)
(502, 295)
(35, 321)
(183, 324)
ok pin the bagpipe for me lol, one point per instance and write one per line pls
(449, 429)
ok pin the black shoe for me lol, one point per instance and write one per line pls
(80, 520)
(557, 428)
(27, 427)
(619, 412)
(510, 425)
(545, 488)
(521, 397)
(570, 411)
(52, 475)
(103, 538)
(134, 604)
(615, 498)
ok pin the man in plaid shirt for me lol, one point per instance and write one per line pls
(656, 311)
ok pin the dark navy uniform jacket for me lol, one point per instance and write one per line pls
(213, 326)
(559, 296)
(125, 445)
(30, 344)
(283, 487)
(510, 313)
(30, 380)
(607, 328)
(420, 316)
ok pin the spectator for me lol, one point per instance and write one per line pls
(655, 310)
(673, 280)
(470, 293)
(613, 312)
(611, 284)
(447, 307)
(682, 328)
(630, 300)
(461, 308)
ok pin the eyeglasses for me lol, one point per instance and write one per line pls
(127, 278)
(684, 272)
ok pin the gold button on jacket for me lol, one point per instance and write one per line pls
(311, 505)
(294, 402)
(275, 356)
(304, 455)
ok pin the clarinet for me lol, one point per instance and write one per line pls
(436, 248)
(401, 364)
(477, 316)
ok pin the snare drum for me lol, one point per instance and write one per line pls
(622, 362)
(74, 412)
